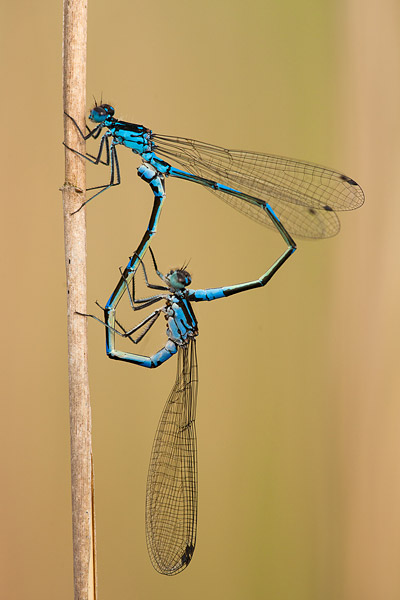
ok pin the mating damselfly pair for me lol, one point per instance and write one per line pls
(295, 198)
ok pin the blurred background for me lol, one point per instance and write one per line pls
(298, 410)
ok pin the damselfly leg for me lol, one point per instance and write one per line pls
(111, 159)
(127, 334)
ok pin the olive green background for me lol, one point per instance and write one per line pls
(298, 411)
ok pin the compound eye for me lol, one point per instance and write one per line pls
(108, 109)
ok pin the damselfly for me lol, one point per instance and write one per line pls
(304, 196)
(266, 188)
(171, 499)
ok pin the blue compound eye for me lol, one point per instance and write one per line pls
(179, 279)
(100, 113)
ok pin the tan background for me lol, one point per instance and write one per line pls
(298, 415)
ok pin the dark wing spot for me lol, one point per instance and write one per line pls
(187, 555)
(328, 208)
(348, 180)
(311, 211)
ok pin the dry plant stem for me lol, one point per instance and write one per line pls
(74, 80)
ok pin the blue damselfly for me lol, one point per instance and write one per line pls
(269, 189)
(304, 196)
(171, 498)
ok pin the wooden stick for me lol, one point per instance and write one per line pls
(74, 90)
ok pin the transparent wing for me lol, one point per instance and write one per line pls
(303, 195)
(171, 497)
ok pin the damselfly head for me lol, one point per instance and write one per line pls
(178, 279)
(98, 114)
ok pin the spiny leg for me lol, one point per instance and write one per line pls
(150, 285)
(160, 275)
(127, 333)
(95, 160)
(114, 167)
(149, 320)
(144, 301)
(94, 133)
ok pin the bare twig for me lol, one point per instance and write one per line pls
(83, 523)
